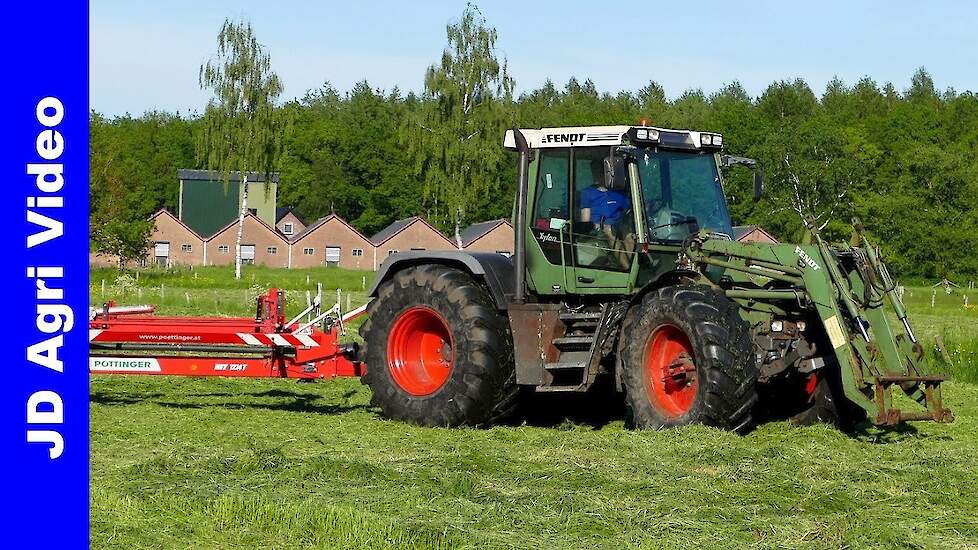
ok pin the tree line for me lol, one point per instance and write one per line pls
(903, 161)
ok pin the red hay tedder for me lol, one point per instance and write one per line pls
(133, 340)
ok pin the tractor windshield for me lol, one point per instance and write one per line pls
(678, 188)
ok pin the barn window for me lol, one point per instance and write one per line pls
(358, 252)
(308, 251)
(223, 249)
(186, 248)
(272, 250)
(392, 251)
(288, 228)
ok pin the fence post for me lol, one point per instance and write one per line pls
(933, 296)
(943, 349)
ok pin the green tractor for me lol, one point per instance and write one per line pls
(625, 271)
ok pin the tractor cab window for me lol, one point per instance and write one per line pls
(603, 223)
(551, 214)
(679, 188)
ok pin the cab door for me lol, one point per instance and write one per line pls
(548, 246)
(601, 228)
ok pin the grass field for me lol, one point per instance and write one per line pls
(180, 463)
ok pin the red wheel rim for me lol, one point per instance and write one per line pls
(811, 384)
(671, 376)
(420, 352)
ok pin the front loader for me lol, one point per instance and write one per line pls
(625, 270)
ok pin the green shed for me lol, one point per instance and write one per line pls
(208, 204)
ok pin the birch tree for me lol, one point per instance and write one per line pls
(242, 130)
(457, 136)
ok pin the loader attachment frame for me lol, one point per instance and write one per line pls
(850, 290)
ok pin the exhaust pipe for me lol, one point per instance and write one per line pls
(519, 246)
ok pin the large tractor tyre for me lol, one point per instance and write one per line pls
(437, 351)
(824, 401)
(688, 359)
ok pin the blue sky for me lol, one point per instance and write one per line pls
(145, 55)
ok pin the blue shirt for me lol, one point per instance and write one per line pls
(606, 206)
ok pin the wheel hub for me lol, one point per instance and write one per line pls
(420, 351)
(672, 380)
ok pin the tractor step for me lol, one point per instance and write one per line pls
(554, 389)
(565, 365)
(574, 340)
(580, 316)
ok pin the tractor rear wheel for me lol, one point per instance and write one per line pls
(688, 358)
(437, 351)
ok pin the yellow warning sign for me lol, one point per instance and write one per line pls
(836, 336)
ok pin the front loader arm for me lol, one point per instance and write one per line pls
(848, 288)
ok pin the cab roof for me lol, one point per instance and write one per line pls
(591, 136)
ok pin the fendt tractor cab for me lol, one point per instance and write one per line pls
(625, 269)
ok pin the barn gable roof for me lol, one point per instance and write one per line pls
(164, 211)
(476, 231)
(283, 211)
(234, 223)
(393, 229)
(740, 231)
(321, 221)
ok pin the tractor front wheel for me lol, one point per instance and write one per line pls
(687, 358)
(437, 351)
(824, 401)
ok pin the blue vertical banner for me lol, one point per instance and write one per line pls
(44, 159)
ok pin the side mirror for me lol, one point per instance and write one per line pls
(758, 184)
(615, 173)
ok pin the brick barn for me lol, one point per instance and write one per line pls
(412, 233)
(260, 244)
(331, 241)
(753, 234)
(288, 222)
(492, 236)
(174, 243)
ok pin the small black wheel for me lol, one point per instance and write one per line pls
(688, 358)
(437, 351)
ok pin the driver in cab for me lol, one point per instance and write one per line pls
(605, 208)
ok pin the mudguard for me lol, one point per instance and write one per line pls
(494, 270)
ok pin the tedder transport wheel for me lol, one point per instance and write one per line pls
(688, 358)
(437, 351)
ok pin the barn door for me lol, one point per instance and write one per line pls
(162, 253)
(333, 256)
(248, 254)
